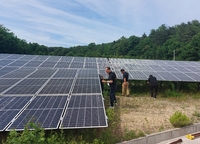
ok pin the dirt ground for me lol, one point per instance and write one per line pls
(152, 115)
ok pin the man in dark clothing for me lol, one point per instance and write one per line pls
(153, 85)
(112, 83)
(125, 83)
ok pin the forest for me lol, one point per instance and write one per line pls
(162, 43)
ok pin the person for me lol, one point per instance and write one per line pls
(125, 83)
(112, 83)
(102, 86)
(153, 85)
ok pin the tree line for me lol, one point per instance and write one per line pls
(161, 43)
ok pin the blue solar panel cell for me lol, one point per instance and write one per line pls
(84, 111)
(57, 86)
(10, 107)
(27, 86)
(5, 62)
(43, 110)
(7, 83)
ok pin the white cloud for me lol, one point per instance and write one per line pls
(80, 22)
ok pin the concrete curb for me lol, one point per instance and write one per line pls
(165, 135)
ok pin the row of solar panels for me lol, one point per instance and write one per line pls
(53, 97)
(52, 112)
(50, 64)
(50, 81)
(138, 69)
(50, 58)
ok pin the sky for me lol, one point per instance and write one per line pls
(69, 23)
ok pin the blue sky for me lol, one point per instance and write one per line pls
(79, 22)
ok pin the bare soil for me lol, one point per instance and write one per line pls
(152, 115)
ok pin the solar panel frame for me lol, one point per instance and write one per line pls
(5, 62)
(26, 86)
(76, 65)
(43, 73)
(84, 111)
(66, 73)
(87, 73)
(43, 110)
(19, 73)
(7, 83)
(62, 65)
(10, 107)
(83, 86)
(57, 86)
(33, 64)
(48, 64)
(6, 70)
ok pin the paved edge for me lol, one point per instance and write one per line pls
(165, 135)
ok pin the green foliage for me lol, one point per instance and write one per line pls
(132, 135)
(27, 136)
(179, 120)
(37, 136)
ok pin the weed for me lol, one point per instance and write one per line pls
(179, 120)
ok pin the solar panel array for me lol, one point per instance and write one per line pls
(41, 89)
(163, 70)
(65, 92)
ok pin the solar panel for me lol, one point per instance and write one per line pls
(194, 76)
(182, 77)
(86, 86)
(84, 111)
(87, 73)
(6, 70)
(19, 73)
(91, 65)
(182, 69)
(40, 58)
(33, 64)
(138, 75)
(43, 73)
(27, 57)
(76, 65)
(156, 68)
(90, 60)
(5, 62)
(27, 86)
(7, 83)
(10, 107)
(193, 69)
(65, 73)
(66, 58)
(57, 86)
(50, 64)
(54, 58)
(3, 56)
(168, 76)
(62, 65)
(78, 59)
(18, 63)
(43, 110)
(14, 56)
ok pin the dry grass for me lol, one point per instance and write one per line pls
(152, 115)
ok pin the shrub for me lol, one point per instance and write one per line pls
(179, 120)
